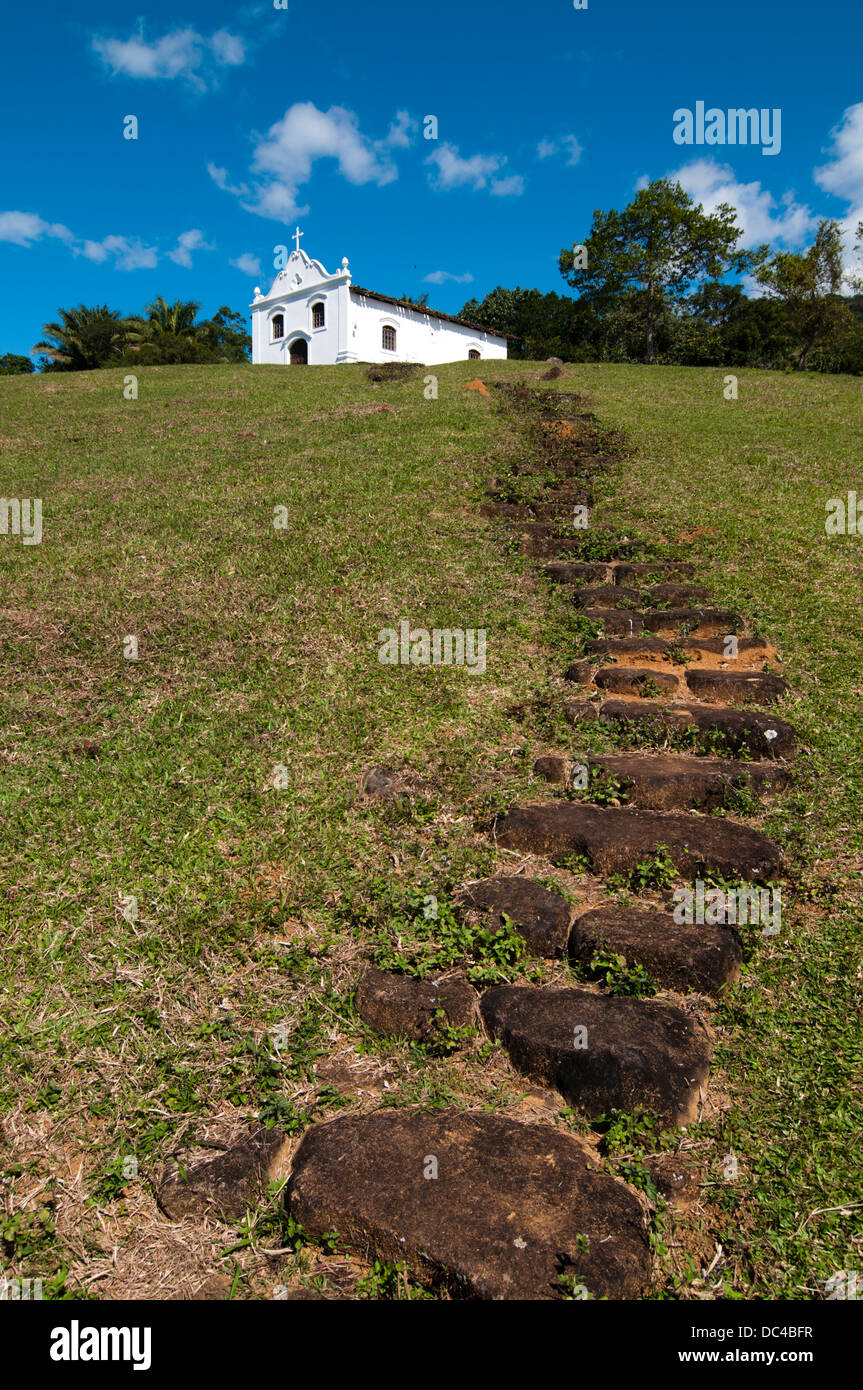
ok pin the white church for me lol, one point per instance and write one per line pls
(313, 317)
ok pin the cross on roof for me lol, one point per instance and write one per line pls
(297, 235)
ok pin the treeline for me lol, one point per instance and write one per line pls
(654, 285)
(720, 326)
(661, 281)
(95, 336)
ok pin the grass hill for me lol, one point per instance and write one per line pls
(188, 858)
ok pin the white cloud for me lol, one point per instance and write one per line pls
(440, 277)
(402, 130)
(452, 170)
(511, 187)
(129, 254)
(121, 252)
(23, 228)
(843, 176)
(565, 144)
(220, 179)
(247, 263)
(187, 242)
(229, 50)
(759, 214)
(184, 53)
(285, 157)
(574, 149)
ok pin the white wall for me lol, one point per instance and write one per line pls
(353, 323)
(420, 337)
(323, 343)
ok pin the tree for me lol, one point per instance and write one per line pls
(167, 333)
(85, 337)
(657, 249)
(808, 286)
(540, 325)
(225, 337)
(13, 364)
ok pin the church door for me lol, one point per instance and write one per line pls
(299, 353)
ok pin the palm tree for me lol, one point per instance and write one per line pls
(168, 333)
(85, 337)
(177, 319)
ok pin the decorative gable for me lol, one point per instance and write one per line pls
(302, 275)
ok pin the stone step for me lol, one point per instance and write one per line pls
(760, 735)
(723, 687)
(627, 570)
(399, 1006)
(600, 1052)
(615, 840)
(570, 496)
(606, 596)
(500, 1210)
(537, 547)
(678, 595)
(735, 687)
(528, 516)
(704, 621)
(751, 651)
(543, 918)
(225, 1187)
(616, 620)
(679, 956)
(603, 545)
(677, 781)
(563, 513)
(575, 572)
(635, 680)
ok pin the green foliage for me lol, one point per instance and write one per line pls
(26, 1232)
(603, 789)
(13, 364)
(388, 1281)
(84, 337)
(808, 286)
(91, 337)
(421, 934)
(653, 253)
(658, 872)
(618, 977)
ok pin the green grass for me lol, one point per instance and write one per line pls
(744, 484)
(258, 650)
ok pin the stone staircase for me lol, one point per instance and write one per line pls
(496, 1208)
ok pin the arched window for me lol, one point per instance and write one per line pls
(473, 355)
(389, 338)
(278, 322)
(318, 316)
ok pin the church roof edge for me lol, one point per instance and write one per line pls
(433, 313)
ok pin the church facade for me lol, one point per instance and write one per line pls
(312, 317)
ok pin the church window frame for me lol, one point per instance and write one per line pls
(319, 314)
(389, 337)
(277, 327)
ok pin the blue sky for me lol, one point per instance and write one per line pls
(252, 118)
